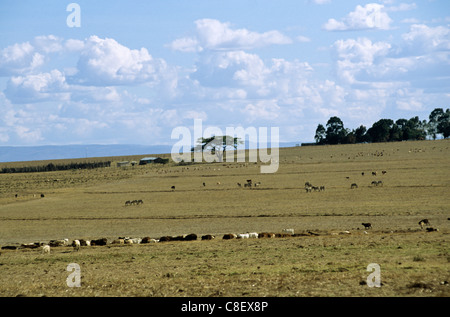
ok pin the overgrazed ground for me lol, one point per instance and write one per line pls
(90, 204)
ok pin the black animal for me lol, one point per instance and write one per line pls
(367, 225)
(424, 222)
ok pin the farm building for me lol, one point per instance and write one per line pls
(150, 160)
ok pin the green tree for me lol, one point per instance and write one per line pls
(443, 126)
(380, 130)
(335, 132)
(217, 145)
(321, 134)
(360, 134)
(433, 122)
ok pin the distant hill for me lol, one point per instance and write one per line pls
(56, 152)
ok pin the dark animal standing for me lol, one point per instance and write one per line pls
(367, 225)
(424, 222)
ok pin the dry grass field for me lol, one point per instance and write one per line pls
(328, 256)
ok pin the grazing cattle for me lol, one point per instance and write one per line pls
(383, 172)
(31, 245)
(367, 225)
(322, 188)
(140, 201)
(266, 235)
(283, 235)
(248, 185)
(165, 239)
(128, 203)
(148, 240)
(9, 247)
(308, 189)
(362, 173)
(173, 187)
(208, 237)
(239, 184)
(374, 173)
(424, 222)
(76, 245)
(288, 231)
(354, 185)
(253, 235)
(243, 236)
(190, 237)
(42, 196)
(46, 249)
(204, 184)
(85, 243)
(102, 241)
(59, 243)
(432, 229)
(229, 236)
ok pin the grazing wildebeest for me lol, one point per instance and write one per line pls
(424, 222)
(354, 185)
(367, 225)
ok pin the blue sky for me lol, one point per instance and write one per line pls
(135, 70)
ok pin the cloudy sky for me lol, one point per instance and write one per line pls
(134, 70)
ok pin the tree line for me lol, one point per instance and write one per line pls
(52, 167)
(386, 130)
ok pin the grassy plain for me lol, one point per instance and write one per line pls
(90, 204)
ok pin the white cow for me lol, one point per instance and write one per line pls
(76, 245)
(243, 236)
(46, 248)
(253, 235)
(290, 231)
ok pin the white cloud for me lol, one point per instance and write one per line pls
(19, 58)
(371, 16)
(106, 62)
(212, 34)
(262, 110)
(422, 39)
(37, 87)
(354, 57)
